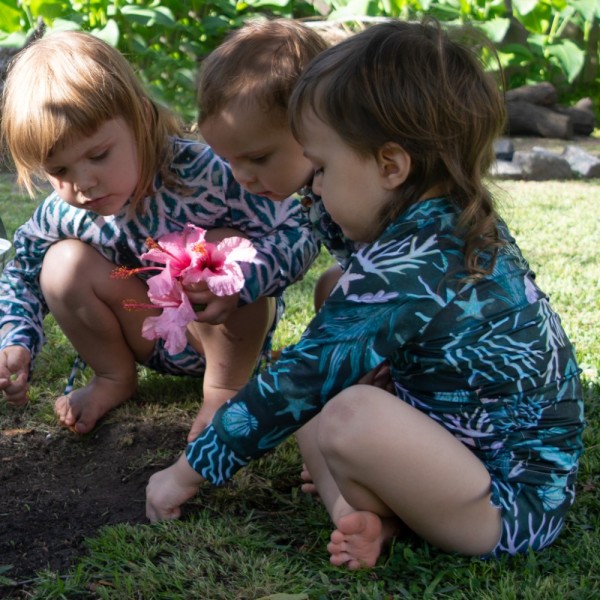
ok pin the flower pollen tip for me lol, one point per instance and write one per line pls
(122, 273)
(200, 248)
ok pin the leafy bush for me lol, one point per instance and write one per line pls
(538, 40)
(163, 39)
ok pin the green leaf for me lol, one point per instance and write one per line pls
(149, 16)
(495, 29)
(65, 25)
(13, 40)
(354, 8)
(48, 9)
(588, 8)
(265, 3)
(109, 33)
(570, 57)
(10, 17)
(524, 7)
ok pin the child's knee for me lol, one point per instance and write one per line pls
(325, 284)
(61, 265)
(340, 417)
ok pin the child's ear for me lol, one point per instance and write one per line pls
(394, 165)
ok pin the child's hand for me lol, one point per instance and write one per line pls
(379, 377)
(168, 489)
(213, 309)
(14, 374)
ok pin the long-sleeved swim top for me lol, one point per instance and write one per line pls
(486, 358)
(207, 196)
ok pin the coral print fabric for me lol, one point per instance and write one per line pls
(209, 197)
(488, 360)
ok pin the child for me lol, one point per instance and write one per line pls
(74, 113)
(477, 451)
(244, 87)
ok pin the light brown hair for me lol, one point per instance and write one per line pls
(411, 84)
(65, 86)
(258, 63)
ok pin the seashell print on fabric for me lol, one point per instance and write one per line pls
(238, 421)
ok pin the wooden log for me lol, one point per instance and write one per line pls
(582, 120)
(540, 93)
(525, 118)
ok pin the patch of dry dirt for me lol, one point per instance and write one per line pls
(57, 489)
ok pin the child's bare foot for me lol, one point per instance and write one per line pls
(81, 409)
(359, 539)
(308, 487)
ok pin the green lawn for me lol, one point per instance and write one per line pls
(252, 541)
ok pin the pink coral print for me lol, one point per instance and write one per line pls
(187, 258)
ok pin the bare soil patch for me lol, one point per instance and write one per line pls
(58, 488)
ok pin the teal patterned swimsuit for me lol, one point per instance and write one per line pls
(209, 198)
(488, 360)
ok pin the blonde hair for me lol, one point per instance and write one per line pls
(258, 63)
(65, 86)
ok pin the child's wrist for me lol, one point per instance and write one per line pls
(186, 475)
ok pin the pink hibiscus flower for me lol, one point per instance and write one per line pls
(187, 258)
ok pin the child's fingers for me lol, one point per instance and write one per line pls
(15, 391)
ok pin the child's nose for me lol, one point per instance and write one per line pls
(243, 176)
(84, 180)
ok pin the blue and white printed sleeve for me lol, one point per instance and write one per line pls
(279, 231)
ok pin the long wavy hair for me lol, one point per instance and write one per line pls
(411, 84)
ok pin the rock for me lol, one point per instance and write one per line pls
(506, 169)
(541, 165)
(504, 149)
(581, 162)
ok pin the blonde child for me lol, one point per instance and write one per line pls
(477, 450)
(74, 114)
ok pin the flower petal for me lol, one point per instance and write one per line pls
(227, 281)
(237, 249)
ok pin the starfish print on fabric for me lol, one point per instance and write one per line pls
(472, 308)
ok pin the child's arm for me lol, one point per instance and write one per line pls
(168, 489)
(284, 242)
(279, 231)
(14, 374)
(22, 303)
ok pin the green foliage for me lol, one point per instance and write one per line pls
(538, 40)
(164, 40)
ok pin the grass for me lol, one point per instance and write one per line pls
(257, 539)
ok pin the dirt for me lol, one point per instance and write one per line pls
(58, 488)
